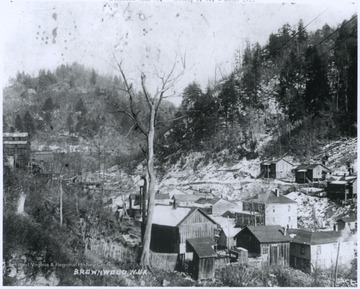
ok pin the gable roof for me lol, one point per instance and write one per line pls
(306, 167)
(165, 215)
(202, 247)
(270, 198)
(266, 234)
(314, 238)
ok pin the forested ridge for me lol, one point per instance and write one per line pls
(300, 88)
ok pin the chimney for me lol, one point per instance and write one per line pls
(277, 192)
(285, 231)
(336, 227)
(174, 204)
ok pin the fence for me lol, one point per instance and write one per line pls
(164, 261)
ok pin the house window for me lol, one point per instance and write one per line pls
(273, 209)
(265, 250)
(318, 250)
(288, 208)
(303, 250)
(289, 219)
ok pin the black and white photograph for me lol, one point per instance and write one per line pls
(167, 143)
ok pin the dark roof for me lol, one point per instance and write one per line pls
(162, 196)
(202, 247)
(266, 234)
(207, 201)
(347, 219)
(310, 167)
(314, 238)
(270, 198)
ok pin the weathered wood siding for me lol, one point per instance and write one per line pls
(276, 254)
(164, 261)
(283, 168)
(205, 268)
(196, 226)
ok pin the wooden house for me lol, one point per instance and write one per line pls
(345, 188)
(16, 149)
(313, 250)
(270, 244)
(275, 169)
(173, 225)
(268, 209)
(349, 223)
(310, 173)
(202, 264)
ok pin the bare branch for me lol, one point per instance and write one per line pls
(129, 90)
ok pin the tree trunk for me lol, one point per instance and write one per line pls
(145, 256)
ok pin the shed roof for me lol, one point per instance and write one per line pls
(267, 234)
(202, 247)
(314, 238)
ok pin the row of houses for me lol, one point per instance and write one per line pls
(337, 187)
(193, 236)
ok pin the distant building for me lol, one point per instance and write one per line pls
(312, 250)
(269, 244)
(310, 173)
(185, 200)
(275, 169)
(162, 199)
(215, 206)
(268, 209)
(16, 149)
(344, 188)
(349, 223)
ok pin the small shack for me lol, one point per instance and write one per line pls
(344, 188)
(310, 173)
(275, 169)
(268, 243)
(202, 265)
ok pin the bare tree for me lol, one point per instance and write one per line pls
(147, 128)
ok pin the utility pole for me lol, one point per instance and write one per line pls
(336, 264)
(61, 201)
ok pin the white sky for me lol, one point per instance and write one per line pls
(148, 34)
